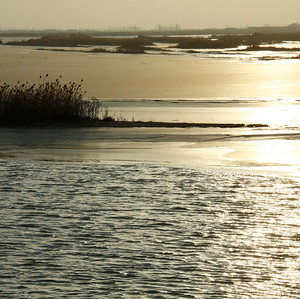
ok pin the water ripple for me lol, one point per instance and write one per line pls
(123, 231)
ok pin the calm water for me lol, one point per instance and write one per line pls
(140, 230)
(181, 87)
(178, 76)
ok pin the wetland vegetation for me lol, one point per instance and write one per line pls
(47, 101)
(77, 40)
(183, 42)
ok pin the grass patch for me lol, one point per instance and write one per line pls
(99, 50)
(48, 101)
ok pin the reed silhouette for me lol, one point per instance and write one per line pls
(47, 101)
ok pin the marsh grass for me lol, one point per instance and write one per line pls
(76, 40)
(47, 101)
(136, 45)
(130, 49)
(100, 50)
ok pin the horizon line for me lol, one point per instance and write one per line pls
(157, 27)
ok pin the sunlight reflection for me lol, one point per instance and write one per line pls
(284, 152)
(277, 77)
(277, 115)
(270, 155)
(278, 152)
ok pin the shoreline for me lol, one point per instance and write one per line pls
(132, 124)
(251, 150)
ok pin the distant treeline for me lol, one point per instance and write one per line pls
(137, 44)
(293, 28)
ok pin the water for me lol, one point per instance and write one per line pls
(144, 230)
(153, 212)
(111, 76)
(273, 112)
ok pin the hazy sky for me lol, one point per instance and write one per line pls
(97, 14)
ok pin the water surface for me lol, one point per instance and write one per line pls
(153, 212)
(155, 76)
(133, 230)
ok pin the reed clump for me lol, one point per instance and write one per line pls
(47, 101)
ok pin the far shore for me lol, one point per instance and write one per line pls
(141, 43)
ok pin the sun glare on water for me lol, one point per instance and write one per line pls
(278, 155)
(276, 115)
(278, 152)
